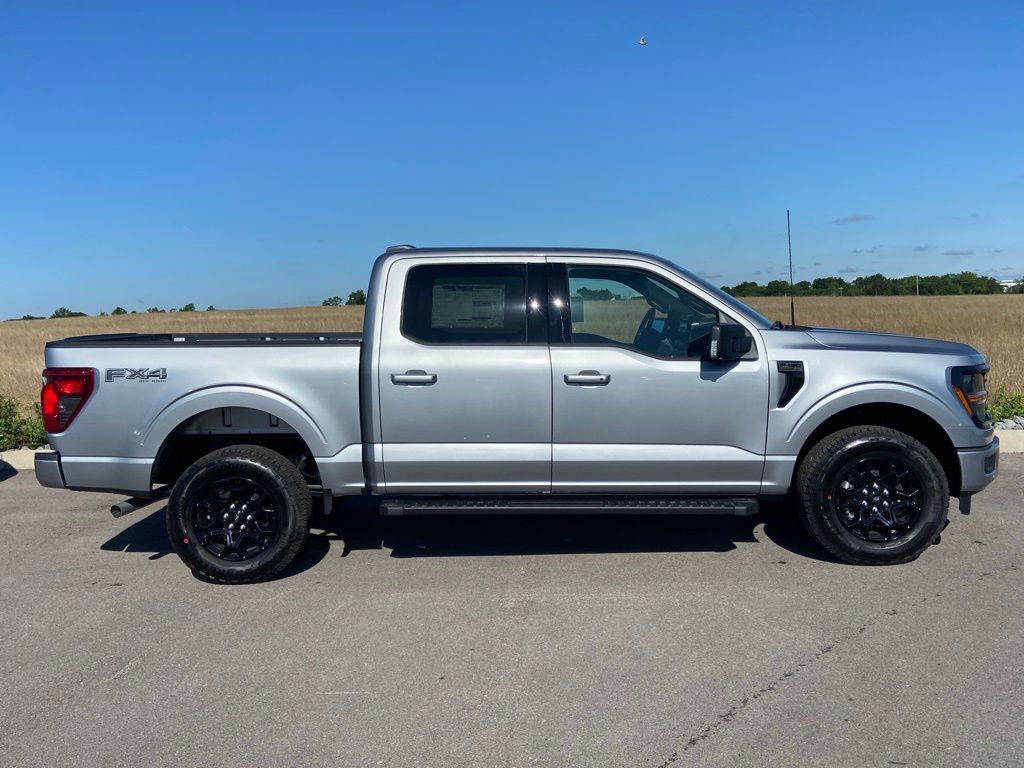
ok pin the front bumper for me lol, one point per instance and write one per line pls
(48, 471)
(978, 466)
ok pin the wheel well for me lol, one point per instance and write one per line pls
(222, 427)
(900, 417)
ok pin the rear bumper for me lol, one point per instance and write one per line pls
(978, 466)
(48, 470)
(108, 474)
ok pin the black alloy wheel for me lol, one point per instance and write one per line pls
(234, 518)
(878, 498)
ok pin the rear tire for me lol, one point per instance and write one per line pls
(872, 496)
(239, 514)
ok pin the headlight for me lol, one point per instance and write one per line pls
(968, 384)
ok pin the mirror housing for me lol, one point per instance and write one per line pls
(729, 341)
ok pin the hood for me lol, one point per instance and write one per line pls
(870, 341)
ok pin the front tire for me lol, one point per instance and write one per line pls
(239, 514)
(872, 495)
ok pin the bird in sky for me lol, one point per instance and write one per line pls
(643, 41)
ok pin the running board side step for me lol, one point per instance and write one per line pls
(651, 505)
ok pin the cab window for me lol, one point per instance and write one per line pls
(465, 304)
(625, 307)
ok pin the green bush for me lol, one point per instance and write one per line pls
(1006, 405)
(65, 312)
(18, 430)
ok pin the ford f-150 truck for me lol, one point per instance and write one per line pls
(524, 380)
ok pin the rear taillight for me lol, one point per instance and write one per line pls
(65, 391)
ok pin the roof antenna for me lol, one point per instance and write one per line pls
(789, 239)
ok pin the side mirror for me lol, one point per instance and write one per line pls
(729, 341)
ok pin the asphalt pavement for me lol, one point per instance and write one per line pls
(562, 641)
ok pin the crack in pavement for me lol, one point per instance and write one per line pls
(709, 729)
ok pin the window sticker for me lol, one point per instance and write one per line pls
(467, 305)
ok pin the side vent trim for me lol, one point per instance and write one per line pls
(793, 370)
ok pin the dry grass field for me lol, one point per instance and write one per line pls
(994, 324)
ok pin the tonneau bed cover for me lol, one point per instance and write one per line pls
(208, 339)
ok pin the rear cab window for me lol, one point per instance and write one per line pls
(465, 304)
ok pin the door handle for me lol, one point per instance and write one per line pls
(414, 377)
(592, 378)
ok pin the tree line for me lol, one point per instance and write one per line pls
(355, 298)
(951, 284)
(65, 312)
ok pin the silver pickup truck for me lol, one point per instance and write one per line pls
(524, 380)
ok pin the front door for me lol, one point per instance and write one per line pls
(464, 378)
(635, 407)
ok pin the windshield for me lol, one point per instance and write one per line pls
(725, 298)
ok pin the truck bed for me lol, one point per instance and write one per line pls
(154, 391)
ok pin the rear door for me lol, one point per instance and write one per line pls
(636, 407)
(464, 376)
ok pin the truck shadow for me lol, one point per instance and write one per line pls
(148, 535)
(358, 527)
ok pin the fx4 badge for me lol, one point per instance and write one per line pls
(137, 374)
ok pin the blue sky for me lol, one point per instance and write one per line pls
(262, 154)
